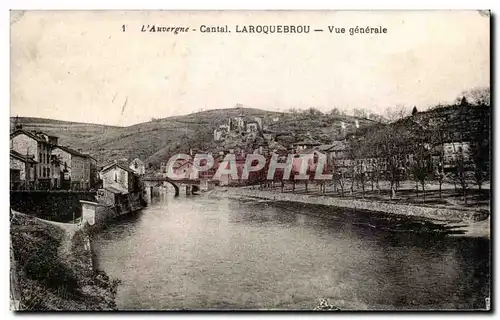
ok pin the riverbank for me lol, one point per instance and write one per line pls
(53, 270)
(467, 223)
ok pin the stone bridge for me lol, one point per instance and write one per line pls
(191, 186)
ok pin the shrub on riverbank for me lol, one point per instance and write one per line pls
(48, 281)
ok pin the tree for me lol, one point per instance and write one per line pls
(334, 112)
(461, 175)
(361, 113)
(374, 170)
(313, 112)
(440, 176)
(338, 175)
(414, 111)
(387, 148)
(361, 176)
(396, 113)
(376, 117)
(420, 166)
(352, 154)
(390, 144)
(478, 96)
(360, 152)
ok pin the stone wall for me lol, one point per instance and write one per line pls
(96, 214)
(61, 206)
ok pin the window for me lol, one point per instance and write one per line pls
(116, 177)
(48, 172)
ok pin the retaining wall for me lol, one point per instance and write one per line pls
(61, 206)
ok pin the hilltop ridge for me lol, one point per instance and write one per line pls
(158, 139)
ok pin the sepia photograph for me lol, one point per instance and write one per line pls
(291, 160)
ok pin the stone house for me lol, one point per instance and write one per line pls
(453, 150)
(252, 127)
(39, 145)
(22, 171)
(76, 169)
(305, 144)
(116, 176)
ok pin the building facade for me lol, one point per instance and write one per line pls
(22, 171)
(75, 169)
(37, 145)
(116, 176)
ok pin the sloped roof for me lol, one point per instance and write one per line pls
(137, 160)
(74, 152)
(276, 146)
(324, 147)
(309, 151)
(337, 146)
(19, 156)
(119, 165)
(307, 142)
(29, 134)
(71, 151)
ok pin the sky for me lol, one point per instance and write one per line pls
(81, 66)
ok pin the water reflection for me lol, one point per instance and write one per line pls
(209, 253)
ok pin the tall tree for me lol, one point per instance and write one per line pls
(420, 167)
(414, 111)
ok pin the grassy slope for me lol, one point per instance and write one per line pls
(70, 133)
(51, 270)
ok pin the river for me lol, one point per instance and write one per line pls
(204, 252)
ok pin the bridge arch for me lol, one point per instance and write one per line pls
(156, 182)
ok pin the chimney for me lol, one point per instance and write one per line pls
(17, 124)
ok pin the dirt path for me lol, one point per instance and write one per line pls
(66, 243)
(69, 231)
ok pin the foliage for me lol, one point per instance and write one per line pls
(47, 280)
(478, 96)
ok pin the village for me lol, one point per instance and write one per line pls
(38, 162)
(154, 166)
(436, 160)
(422, 155)
(422, 152)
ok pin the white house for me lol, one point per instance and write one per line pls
(116, 176)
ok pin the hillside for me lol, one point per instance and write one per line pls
(69, 133)
(157, 140)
